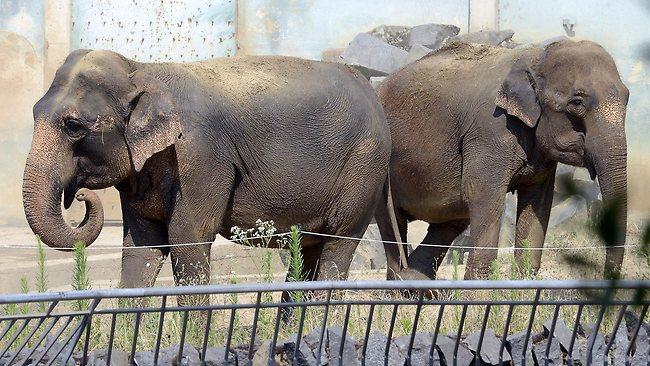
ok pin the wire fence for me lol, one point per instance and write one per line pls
(334, 323)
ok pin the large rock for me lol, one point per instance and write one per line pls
(372, 54)
(312, 340)
(217, 357)
(394, 35)
(420, 349)
(265, 355)
(620, 345)
(304, 356)
(490, 347)
(431, 36)
(334, 341)
(446, 345)
(515, 346)
(597, 352)
(376, 350)
(417, 52)
(554, 352)
(494, 38)
(370, 253)
(642, 349)
(561, 332)
(118, 358)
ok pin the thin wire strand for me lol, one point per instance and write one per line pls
(231, 242)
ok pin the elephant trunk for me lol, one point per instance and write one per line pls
(609, 157)
(47, 172)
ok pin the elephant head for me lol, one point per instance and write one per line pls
(101, 119)
(571, 95)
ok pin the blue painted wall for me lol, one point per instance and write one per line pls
(154, 30)
(24, 17)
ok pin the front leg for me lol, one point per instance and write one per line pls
(197, 218)
(141, 265)
(484, 190)
(533, 210)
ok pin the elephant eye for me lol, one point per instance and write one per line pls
(576, 106)
(74, 128)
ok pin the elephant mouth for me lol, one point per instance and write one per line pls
(69, 193)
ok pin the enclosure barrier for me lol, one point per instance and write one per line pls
(435, 323)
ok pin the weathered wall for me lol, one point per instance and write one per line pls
(21, 83)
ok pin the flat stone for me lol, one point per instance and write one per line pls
(642, 348)
(304, 356)
(312, 339)
(561, 332)
(417, 52)
(376, 349)
(334, 340)
(515, 346)
(445, 346)
(431, 35)
(631, 320)
(143, 358)
(494, 38)
(216, 356)
(554, 353)
(98, 358)
(419, 351)
(597, 352)
(490, 347)
(394, 35)
(264, 356)
(373, 54)
(190, 356)
(620, 345)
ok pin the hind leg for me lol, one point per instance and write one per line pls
(425, 260)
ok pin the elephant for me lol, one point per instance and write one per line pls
(196, 148)
(471, 122)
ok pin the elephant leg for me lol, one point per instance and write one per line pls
(484, 188)
(140, 266)
(393, 266)
(197, 217)
(425, 260)
(533, 212)
(335, 259)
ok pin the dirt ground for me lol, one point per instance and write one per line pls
(242, 264)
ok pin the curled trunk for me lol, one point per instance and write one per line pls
(43, 182)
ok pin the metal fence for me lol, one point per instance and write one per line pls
(335, 323)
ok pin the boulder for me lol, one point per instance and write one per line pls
(334, 341)
(620, 345)
(420, 350)
(490, 347)
(446, 345)
(561, 332)
(417, 52)
(265, 355)
(376, 349)
(431, 36)
(394, 35)
(494, 38)
(373, 56)
(312, 340)
(642, 349)
(118, 358)
(304, 356)
(554, 352)
(216, 356)
(515, 346)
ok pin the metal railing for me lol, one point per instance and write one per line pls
(464, 322)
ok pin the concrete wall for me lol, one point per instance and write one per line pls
(35, 37)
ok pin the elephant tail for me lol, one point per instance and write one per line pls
(389, 227)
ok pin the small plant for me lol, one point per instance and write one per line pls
(41, 276)
(296, 261)
(80, 279)
(24, 288)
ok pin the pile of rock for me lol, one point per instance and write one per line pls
(336, 349)
(388, 48)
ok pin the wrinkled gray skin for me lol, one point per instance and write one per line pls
(470, 123)
(199, 147)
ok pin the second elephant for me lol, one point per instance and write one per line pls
(471, 122)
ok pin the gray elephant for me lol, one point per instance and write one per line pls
(196, 148)
(470, 123)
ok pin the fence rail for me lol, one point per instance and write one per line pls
(335, 323)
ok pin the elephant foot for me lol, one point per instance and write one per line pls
(412, 274)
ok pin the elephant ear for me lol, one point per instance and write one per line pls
(153, 123)
(517, 94)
